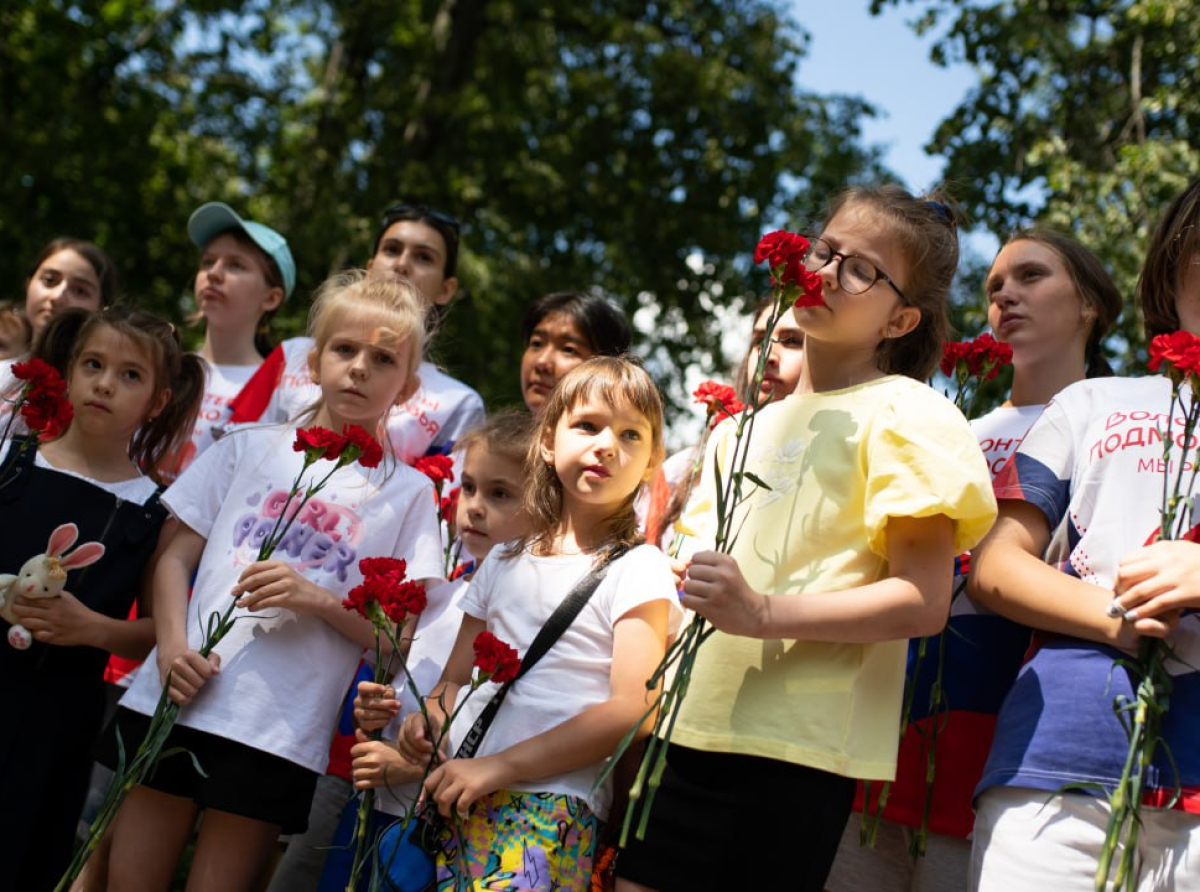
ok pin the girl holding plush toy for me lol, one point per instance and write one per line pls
(135, 394)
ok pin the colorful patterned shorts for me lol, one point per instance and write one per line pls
(516, 842)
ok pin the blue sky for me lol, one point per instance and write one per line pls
(881, 59)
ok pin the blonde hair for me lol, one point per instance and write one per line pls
(615, 381)
(393, 307)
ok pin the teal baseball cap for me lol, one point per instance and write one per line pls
(210, 220)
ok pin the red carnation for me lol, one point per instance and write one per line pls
(1179, 349)
(438, 468)
(986, 356)
(496, 661)
(399, 602)
(713, 396)
(319, 442)
(39, 374)
(383, 566)
(362, 447)
(780, 246)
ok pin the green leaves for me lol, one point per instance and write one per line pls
(583, 145)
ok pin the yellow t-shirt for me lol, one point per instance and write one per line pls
(839, 464)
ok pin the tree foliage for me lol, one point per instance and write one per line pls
(586, 145)
(1082, 118)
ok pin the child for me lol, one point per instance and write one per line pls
(490, 512)
(260, 710)
(1086, 483)
(1052, 301)
(246, 271)
(875, 484)
(135, 396)
(419, 245)
(560, 331)
(527, 799)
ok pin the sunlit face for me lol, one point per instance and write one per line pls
(490, 509)
(555, 346)
(112, 386)
(360, 376)
(416, 252)
(601, 453)
(861, 321)
(1033, 304)
(232, 291)
(64, 279)
(785, 359)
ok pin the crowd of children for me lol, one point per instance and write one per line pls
(871, 491)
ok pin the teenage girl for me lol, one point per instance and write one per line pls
(419, 245)
(1083, 492)
(1051, 300)
(528, 800)
(246, 271)
(490, 513)
(67, 272)
(875, 484)
(258, 713)
(135, 395)
(560, 331)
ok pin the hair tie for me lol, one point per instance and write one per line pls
(944, 213)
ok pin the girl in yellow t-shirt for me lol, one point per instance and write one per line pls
(875, 483)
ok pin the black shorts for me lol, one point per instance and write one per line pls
(726, 821)
(240, 780)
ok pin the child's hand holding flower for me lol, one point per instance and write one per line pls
(375, 705)
(274, 584)
(716, 589)
(379, 764)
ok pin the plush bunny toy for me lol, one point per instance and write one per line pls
(43, 576)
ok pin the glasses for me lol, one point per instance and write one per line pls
(410, 210)
(855, 274)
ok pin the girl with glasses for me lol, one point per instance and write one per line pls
(875, 484)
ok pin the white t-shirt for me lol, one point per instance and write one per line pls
(437, 630)
(515, 598)
(437, 415)
(222, 384)
(283, 674)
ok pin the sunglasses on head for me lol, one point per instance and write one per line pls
(408, 210)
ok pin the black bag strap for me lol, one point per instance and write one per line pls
(562, 617)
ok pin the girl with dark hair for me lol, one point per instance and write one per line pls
(560, 331)
(135, 394)
(68, 272)
(1079, 501)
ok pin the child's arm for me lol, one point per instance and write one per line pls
(1009, 577)
(913, 601)
(188, 671)
(639, 644)
(266, 585)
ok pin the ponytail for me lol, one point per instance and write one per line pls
(166, 433)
